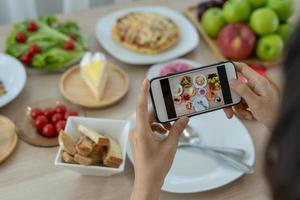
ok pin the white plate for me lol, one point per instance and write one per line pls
(194, 171)
(154, 70)
(189, 38)
(13, 76)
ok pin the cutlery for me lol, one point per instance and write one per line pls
(232, 156)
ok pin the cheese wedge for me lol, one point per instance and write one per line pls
(94, 72)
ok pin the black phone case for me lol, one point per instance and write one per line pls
(191, 70)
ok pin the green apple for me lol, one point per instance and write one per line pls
(269, 47)
(283, 8)
(236, 11)
(213, 21)
(257, 3)
(264, 21)
(285, 30)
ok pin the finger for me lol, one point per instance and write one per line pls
(229, 112)
(255, 80)
(251, 75)
(243, 114)
(158, 128)
(244, 91)
(151, 116)
(142, 106)
(177, 129)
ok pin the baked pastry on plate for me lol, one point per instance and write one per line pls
(146, 32)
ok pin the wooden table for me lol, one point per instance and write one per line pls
(30, 173)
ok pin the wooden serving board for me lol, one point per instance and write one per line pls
(8, 137)
(74, 89)
(191, 13)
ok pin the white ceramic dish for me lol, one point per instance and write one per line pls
(13, 76)
(193, 170)
(117, 129)
(154, 70)
(188, 41)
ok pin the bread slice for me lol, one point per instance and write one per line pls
(113, 157)
(97, 153)
(83, 160)
(67, 143)
(94, 136)
(84, 146)
(68, 158)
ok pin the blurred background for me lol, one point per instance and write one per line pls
(17, 10)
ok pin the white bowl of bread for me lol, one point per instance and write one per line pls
(93, 146)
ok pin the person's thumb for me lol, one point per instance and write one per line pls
(177, 129)
(243, 90)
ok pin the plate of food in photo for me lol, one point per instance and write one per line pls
(171, 67)
(200, 103)
(178, 90)
(146, 35)
(213, 82)
(12, 78)
(199, 81)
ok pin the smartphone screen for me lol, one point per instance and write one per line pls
(196, 91)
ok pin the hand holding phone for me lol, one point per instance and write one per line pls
(193, 92)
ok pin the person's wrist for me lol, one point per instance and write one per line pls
(145, 188)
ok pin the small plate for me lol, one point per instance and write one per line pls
(178, 86)
(74, 89)
(27, 132)
(201, 85)
(200, 103)
(8, 137)
(13, 76)
(154, 70)
(189, 38)
(195, 171)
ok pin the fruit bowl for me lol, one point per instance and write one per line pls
(40, 114)
(192, 13)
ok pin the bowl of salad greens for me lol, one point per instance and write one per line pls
(45, 44)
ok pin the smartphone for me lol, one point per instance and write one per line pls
(193, 92)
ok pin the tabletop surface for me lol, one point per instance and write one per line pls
(30, 173)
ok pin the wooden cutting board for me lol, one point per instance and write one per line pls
(8, 137)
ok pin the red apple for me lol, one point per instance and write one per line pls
(236, 41)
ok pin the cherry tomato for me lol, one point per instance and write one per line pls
(36, 112)
(60, 125)
(56, 117)
(70, 113)
(26, 58)
(49, 131)
(34, 49)
(21, 37)
(40, 122)
(32, 26)
(49, 112)
(69, 45)
(61, 109)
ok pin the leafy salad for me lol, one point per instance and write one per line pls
(46, 43)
